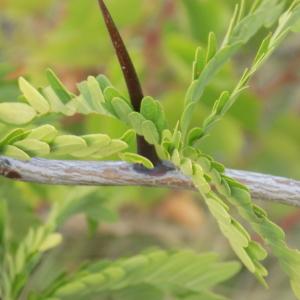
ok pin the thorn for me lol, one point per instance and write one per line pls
(130, 75)
(131, 78)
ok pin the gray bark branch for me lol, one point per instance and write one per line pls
(117, 173)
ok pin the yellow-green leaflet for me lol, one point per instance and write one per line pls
(114, 147)
(150, 132)
(137, 159)
(13, 136)
(136, 121)
(58, 87)
(33, 97)
(51, 241)
(16, 113)
(122, 109)
(33, 147)
(67, 144)
(15, 152)
(95, 142)
(56, 105)
(45, 133)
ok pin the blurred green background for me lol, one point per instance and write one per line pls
(261, 132)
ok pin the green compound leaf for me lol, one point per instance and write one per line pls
(226, 100)
(16, 113)
(203, 172)
(210, 70)
(97, 95)
(164, 270)
(240, 32)
(45, 140)
(136, 159)
(289, 258)
(264, 16)
(25, 257)
(33, 97)
(206, 171)
(237, 236)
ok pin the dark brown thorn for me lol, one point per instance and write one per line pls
(131, 78)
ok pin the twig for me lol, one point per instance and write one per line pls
(106, 173)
